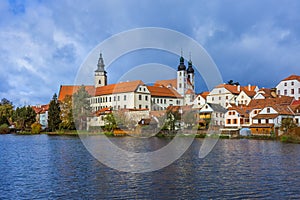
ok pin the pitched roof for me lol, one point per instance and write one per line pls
(40, 108)
(162, 91)
(242, 110)
(204, 94)
(265, 116)
(217, 108)
(266, 92)
(261, 103)
(122, 87)
(249, 93)
(235, 89)
(72, 89)
(167, 83)
(292, 77)
(103, 111)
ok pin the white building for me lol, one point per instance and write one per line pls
(289, 86)
(225, 94)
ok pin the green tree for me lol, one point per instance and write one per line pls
(54, 114)
(66, 114)
(24, 117)
(6, 111)
(287, 124)
(81, 108)
(110, 122)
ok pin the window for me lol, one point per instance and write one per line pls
(144, 89)
(242, 96)
(246, 101)
(267, 121)
(292, 83)
(179, 73)
(146, 98)
(165, 101)
(285, 92)
(161, 101)
(125, 106)
(226, 97)
(228, 121)
(157, 100)
(292, 91)
(180, 85)
(140, 97)
(278, 92)
(216, 114)
(220, 98)
(234, 121)
(140, 106)
(268, 110)
(125, 97)
(220, 91)
(297, 121)
(115, 98)
(212, 98)
(285, 84)
(105, 99)
(118, 98)
(109, 99)
(146, 106)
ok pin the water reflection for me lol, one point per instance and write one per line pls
(60, 167)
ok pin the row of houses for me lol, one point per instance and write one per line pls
(229, 106)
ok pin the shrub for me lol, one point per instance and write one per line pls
(36, 128)
(4, 129)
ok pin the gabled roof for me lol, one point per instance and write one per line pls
(292, 77)
(122, 87)
(162, 91)
(235, 89)
(242, 110)
(204, 94)
(103, 111)
(69, 90)
(266, 116)
(249, 93)
(217, 108)
(167, 83)
(40, 108)
(261, 103)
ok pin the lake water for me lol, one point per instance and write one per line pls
(59, 167)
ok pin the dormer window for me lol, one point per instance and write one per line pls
(268, 110)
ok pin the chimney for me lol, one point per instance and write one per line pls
(238, 88)
(249, 87)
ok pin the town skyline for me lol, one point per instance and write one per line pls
(41, 50)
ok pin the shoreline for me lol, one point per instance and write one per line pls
(283, 138)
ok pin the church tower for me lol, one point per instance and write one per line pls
(100, 73)
(181, 77)
(191, 74)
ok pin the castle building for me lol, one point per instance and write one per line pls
(137, 95)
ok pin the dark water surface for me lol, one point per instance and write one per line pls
(59, 167)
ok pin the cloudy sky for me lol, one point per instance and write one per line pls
(43, 43)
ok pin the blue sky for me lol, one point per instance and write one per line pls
(43, 43)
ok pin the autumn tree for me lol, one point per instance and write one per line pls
(66, 114)
(81, 108)
(54, 114)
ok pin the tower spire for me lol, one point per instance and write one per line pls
(100, 65)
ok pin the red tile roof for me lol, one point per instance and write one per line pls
(265, 116)
(242, 110)
(234, 89)
(162, 91)
(279, 101)
(118, 88)
(166, 83)
(292, 77)
(69, 90)
(40, 108)
(204, 94)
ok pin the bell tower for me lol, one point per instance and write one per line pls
(181, 77)
(100, 73)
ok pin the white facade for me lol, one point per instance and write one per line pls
(199, 101)
(243, 98)
(221, 96)
(289, 87)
